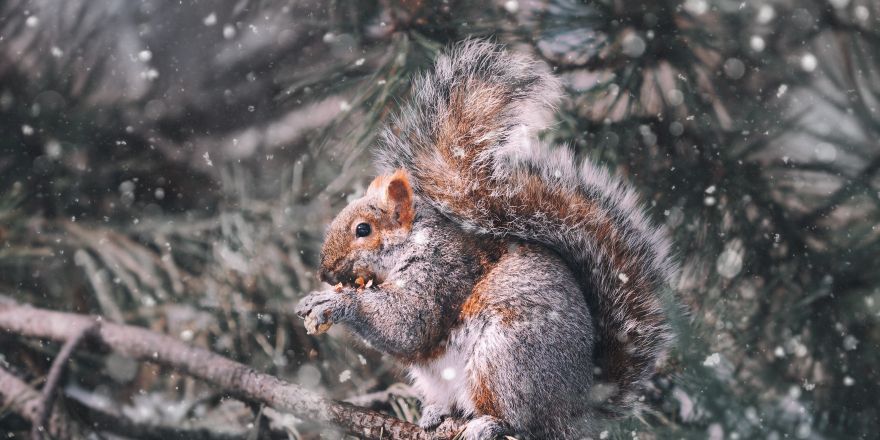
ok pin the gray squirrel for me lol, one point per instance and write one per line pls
(520, 289)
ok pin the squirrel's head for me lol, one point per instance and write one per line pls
(363, 235)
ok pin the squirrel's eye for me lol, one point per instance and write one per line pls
(362, 229)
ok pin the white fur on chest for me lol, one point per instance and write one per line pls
(446, 380)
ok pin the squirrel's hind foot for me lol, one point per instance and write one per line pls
(432, 416)
(483, 428)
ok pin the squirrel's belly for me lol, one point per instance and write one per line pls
(445, 379)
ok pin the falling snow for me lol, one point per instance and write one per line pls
(713, 360)
(747, 129)
(809, 62)
(345, 376)
(730, 262)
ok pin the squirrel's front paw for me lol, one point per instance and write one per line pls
(321, 309)
(432, 416)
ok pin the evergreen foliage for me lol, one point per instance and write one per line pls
(173, 165)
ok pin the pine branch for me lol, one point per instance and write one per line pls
(232, 377)
(859, 183)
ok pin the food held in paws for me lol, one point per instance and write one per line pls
(312, 326)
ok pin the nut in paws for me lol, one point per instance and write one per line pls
(313, 327)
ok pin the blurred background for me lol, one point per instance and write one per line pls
(173, 165)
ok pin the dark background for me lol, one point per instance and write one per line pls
(173, 165)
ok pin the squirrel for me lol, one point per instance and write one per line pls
(520, 289)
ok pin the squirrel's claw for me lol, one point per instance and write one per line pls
(483, 428)
(432, 416)
(320, 310)
(305, 305)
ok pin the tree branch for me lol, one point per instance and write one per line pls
(54, 378)
(232, 377)
(25, 401)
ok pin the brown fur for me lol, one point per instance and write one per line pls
(484, 399)
(400, 195)
(472, 109)
(475, 303)
(480, 301)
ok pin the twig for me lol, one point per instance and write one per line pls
(116, 423)
(25, 401)
(233, 377)
(98, 280)
(47, 400)
(369, 399)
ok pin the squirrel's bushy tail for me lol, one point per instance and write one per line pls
(468, 137)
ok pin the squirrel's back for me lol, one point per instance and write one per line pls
(468, 137)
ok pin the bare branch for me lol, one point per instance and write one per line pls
(232, 377)
(25, 401)
(47, 401)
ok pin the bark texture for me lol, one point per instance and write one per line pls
(233, 377)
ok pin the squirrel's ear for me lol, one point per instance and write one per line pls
(399, 194)
(396, 191)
